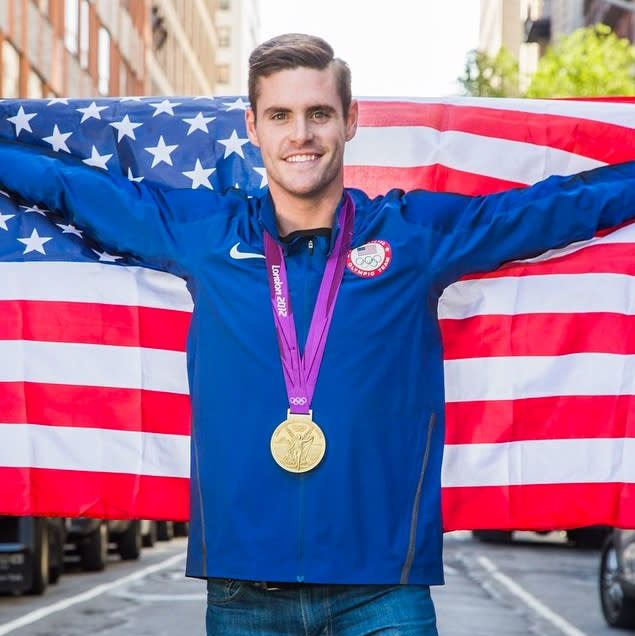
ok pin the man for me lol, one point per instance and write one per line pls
(314, 354)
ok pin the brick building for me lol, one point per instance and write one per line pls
(86, 48)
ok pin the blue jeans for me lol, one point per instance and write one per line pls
(236, 608)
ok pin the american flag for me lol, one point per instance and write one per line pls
(539, 364)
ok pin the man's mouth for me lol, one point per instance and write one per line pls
(302, 158)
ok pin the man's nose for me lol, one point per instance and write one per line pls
(301, 130)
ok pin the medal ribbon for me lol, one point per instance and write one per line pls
(300, 372)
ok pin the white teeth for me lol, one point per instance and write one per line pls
(299, 158)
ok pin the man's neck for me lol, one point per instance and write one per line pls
(293, 214)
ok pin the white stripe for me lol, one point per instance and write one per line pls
(546, 293)
(615, 113)
(518, 377)
(93, 282)
(94, 450)
(620, 236)
(411, 146)
(93, 365)
(560, 461)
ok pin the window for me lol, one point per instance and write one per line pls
(71, 25)
(10, 71)
(35, 86)
(84, 33)
(103, 61)
(222, 73)
(224, 36)
(159, 32)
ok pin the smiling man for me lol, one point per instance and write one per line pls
(301, 120)
(314, 354)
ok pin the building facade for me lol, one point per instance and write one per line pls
(527, 27)
(90, 48)
(504, 23)
(72, 47)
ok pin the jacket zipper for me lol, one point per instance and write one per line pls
(306, 318)
(407, 566)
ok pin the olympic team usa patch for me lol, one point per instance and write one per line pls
(370, 260)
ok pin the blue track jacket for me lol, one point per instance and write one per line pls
(371, 511)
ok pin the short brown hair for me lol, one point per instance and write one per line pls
(295, 50)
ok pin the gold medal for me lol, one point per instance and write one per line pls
(298, 444)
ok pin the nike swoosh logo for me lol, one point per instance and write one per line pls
(234, 253)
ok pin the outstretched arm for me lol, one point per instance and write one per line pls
(478, 234)
(147, 222)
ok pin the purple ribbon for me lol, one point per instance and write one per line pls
(300, 372)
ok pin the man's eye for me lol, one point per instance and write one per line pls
(320, 114)
(279, 116)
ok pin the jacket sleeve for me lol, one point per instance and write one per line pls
(149, 223)
(478, 234)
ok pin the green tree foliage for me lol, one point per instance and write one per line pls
(591, 61)
(490, 76)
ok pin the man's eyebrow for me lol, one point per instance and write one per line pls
(324, 107)
(275, 109)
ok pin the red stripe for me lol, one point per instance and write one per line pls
(115, 496)
(553, 417)
(69, 493)
(611, 258)
(377, 180)
(544, 334)
(94, 407)
(539, 507)
(571, 134)
(92, 323)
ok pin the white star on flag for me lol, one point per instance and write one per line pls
(131, 177)
(105, 257)
(35, 242)
(125, 128)
(233, 144)
(58, 139)
(35, 208)
(57, 100)
(3, 220)
(130, 98)
(91, 111)
(161, 152)
(263, 174)
(198, 123)
(164, 107)
(239, 104)
(70, 229)
(200, 176)
(97, 160)
(21, 121)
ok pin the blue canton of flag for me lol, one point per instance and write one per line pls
(181, 143)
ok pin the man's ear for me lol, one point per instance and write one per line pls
(250, 121)
(351, 120)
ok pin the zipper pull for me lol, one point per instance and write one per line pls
(310, 246)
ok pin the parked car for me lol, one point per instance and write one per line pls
(31, 553)
(91, 539)
(591, 537)
(617, 578)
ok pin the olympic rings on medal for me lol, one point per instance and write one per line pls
(297, 401)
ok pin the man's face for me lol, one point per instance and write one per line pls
(301, 130)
